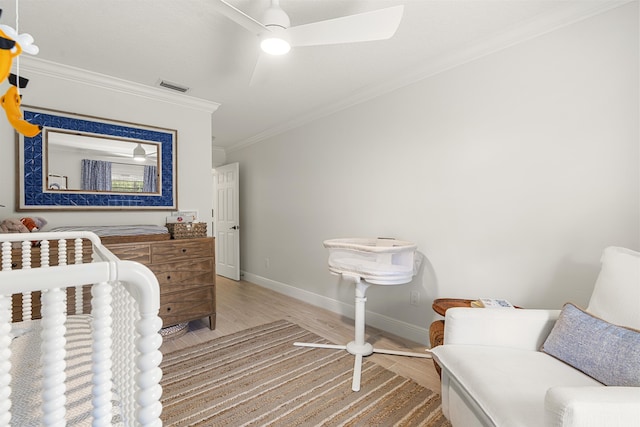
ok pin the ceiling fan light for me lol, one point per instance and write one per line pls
(275, 41)
(275, 46)
(139, 154)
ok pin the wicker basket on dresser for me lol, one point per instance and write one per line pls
(185, 270)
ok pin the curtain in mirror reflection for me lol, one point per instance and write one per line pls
(98, 175)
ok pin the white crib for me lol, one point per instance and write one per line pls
(98, 368)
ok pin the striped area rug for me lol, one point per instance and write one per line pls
(257, 377)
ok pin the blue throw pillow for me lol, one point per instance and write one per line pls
(606, 352)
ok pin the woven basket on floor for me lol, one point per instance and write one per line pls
(174, 331)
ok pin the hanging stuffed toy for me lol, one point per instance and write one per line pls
(5, 42)
(7, 54)
(24, 40)
(11, 100)
(22, 43)
(11, 104)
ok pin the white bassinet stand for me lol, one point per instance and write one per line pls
(365, 262)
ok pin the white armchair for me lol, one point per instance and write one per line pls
(494, 374)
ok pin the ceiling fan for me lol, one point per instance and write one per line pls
(277, 36)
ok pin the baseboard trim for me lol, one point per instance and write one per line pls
(385, 323)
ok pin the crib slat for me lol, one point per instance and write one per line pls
(101, 354)
(78, 260)
(6, 256)
(53, 354)
(5, 368)
(149, 373)
(27, 307)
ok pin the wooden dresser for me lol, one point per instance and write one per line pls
(185, 270)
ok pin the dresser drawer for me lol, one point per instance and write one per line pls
(132, 252)
(181, 249)
(187, 305)
(176, 276)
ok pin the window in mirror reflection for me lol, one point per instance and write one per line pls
(99, 163)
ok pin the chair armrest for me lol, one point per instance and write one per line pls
(592, 406)
(523, 329)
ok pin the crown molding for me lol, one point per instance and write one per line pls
(516, 35)
(34, 65)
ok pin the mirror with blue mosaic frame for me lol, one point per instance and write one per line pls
(84, 163)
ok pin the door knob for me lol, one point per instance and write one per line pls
(235, 227)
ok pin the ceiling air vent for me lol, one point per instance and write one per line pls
(173, 86)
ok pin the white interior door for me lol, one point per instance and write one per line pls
(226, 217)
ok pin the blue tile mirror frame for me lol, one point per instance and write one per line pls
(145, 155)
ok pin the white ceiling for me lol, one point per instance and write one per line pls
(189, 43)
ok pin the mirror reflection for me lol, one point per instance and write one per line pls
(85, 162)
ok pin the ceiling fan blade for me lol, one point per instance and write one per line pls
(260, 71)
(376, 25)
(239, 17)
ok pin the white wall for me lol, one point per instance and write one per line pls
(511, 173)
(219, 156)
(66, 89)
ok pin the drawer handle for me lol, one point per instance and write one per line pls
(14, 264)
(184, 250)
(168, 308)
(169, 277)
